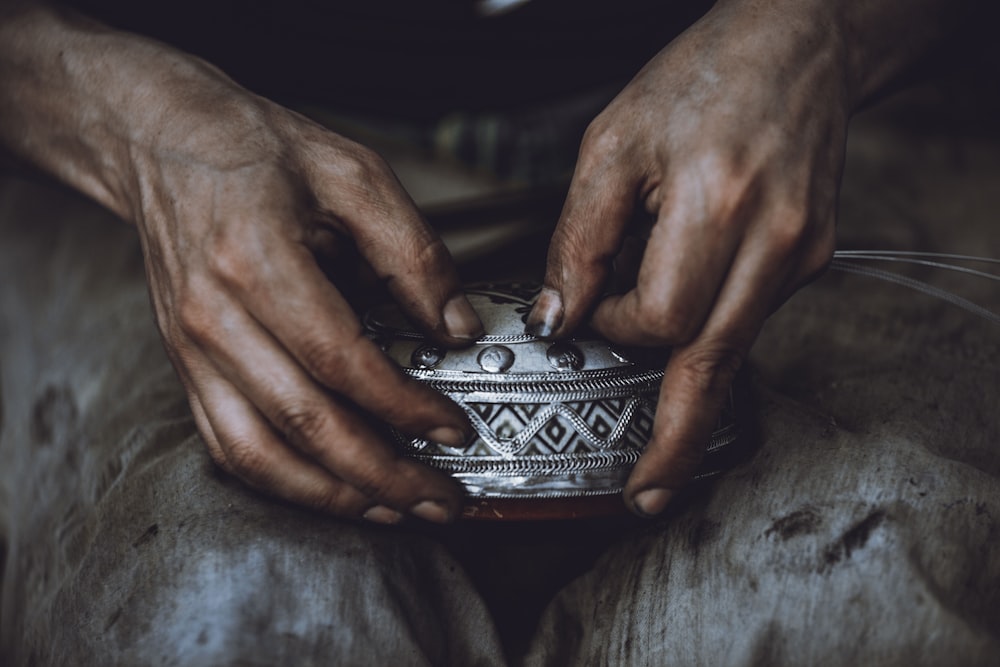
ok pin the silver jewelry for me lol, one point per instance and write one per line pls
(551, 419)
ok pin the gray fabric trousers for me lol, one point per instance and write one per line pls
(864, 530)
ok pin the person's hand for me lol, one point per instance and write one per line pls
(234, 200)
(732, 140)
(246, 211)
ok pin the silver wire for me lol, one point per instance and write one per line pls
(840, 263)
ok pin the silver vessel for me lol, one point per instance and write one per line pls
(552, 419)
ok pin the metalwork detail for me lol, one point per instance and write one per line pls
(564, 357)
(620, 357)
(591, 385)
(427, 356)
(495, 359)
(551, 450)
(560, 419)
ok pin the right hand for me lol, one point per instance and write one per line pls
(235, 197)
(732, 140)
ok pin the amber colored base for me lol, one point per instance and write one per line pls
(543, 509)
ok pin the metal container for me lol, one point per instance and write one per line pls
(564, 419)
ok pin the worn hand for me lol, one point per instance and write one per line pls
(732, 140)
(234, 200)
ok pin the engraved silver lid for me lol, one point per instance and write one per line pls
(553, 419)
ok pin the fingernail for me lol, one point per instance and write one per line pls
(446, 435)
(547, 314)
(431, 510)
(651, 501)
(383, 514)
(461, 320)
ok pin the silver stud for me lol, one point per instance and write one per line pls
(495, 359)
(426, 357)
(565, 357)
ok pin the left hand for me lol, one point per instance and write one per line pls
(733, 138)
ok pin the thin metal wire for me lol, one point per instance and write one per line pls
(840, 264)
(911, 253)
(920, 262)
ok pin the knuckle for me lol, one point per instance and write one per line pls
(790, 228)
(333, 498)
(710, 370)
(603, 140)
(787, 236)
(231, 264)
(722, 190)
(302, 425)
(675, 330)
(329, 360)
(362, 166)
(432, 254)
(732, 202)
(654, 324)
(665, 321)
(376, 481)
(195, 320)
(244, 459)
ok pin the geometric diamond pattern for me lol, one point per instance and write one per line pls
(545, 429)
(555, 437)
(518, 429)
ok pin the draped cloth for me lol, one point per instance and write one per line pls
(865, 528)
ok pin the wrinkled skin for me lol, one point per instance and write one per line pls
(271, 354)
(237, 200)
(733, 145)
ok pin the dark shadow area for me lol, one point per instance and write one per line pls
(518, 567)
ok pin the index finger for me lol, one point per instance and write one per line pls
(589, 235)
(363, 194)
